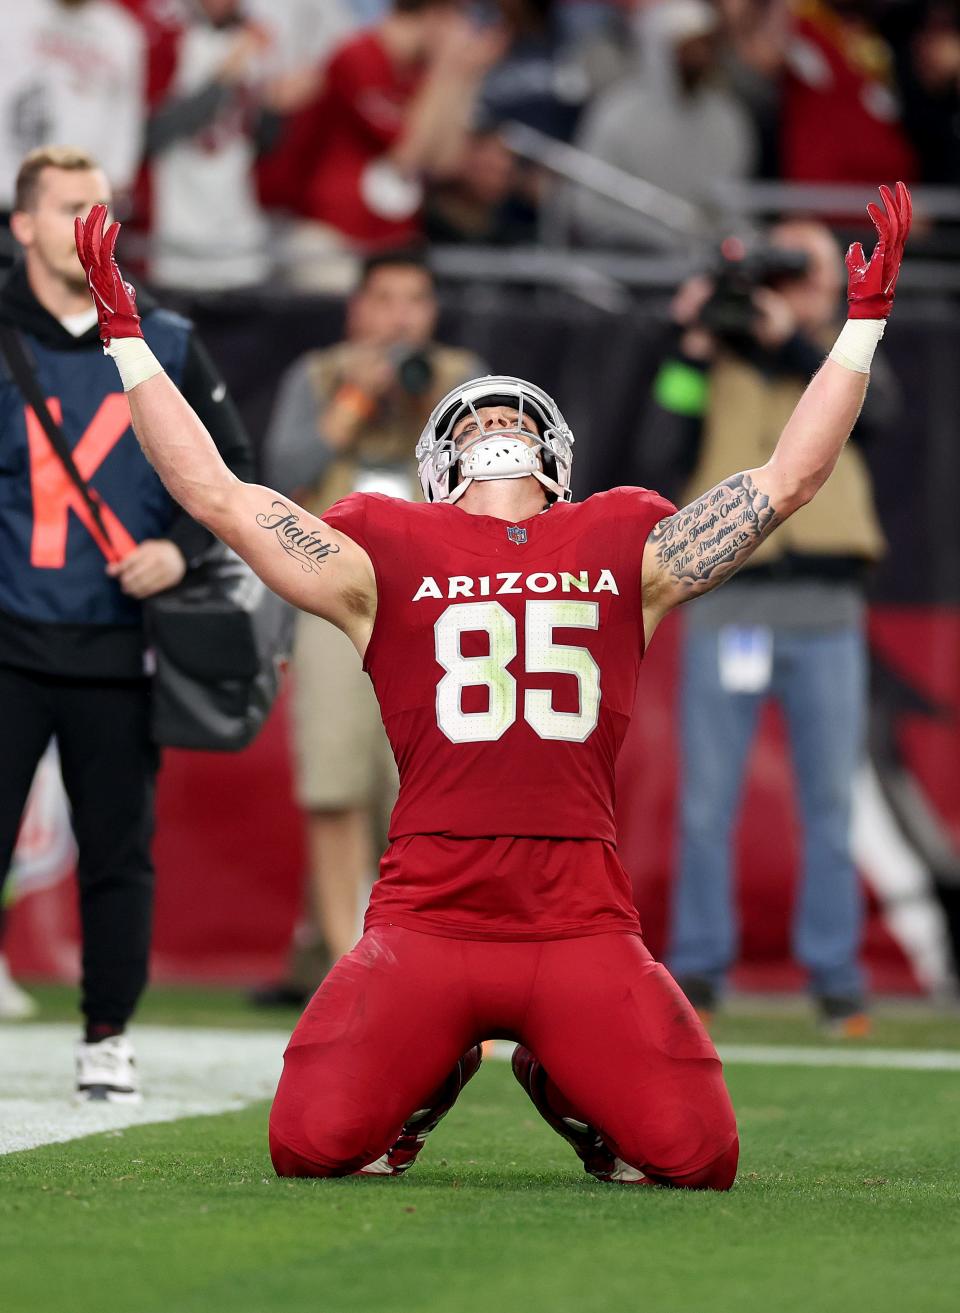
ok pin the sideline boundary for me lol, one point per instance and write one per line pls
(808, 1055)
(194, 1071)
(187, 1071)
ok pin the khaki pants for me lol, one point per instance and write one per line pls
(342, 757)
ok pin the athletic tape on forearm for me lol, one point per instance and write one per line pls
(134, 359)
(857, 342)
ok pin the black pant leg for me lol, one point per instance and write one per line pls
(109, 770)
(26, 726)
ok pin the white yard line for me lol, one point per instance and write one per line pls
(190, 1072)
(768, 1055)
(186, 1072)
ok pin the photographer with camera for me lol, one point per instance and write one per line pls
(347, 419)
(791, 624)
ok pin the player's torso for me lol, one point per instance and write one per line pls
(505, 659)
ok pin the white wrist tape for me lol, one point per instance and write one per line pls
(857, 342)
(134, 359)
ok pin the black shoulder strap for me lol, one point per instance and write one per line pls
(15, 355)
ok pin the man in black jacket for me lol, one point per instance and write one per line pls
(73, 665)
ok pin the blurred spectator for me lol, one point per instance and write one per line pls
(161, 21)
(281, 75)
(925, 38)
(756, 30)
(790, 624)
(304, 31)
(841, 116)
(672, 123)
(579, 19)
(608, 53)
(222, 107)
(394, 109)
(348, 418)
(73, 664)
(71, 70)
(755, 42)
(487, 202)
(540, 80)
(367, 12)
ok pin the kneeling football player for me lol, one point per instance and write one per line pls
(503, 626)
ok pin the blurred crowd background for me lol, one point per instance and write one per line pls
(250, 138)
(360, 202)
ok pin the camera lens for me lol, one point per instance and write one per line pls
(414, 370)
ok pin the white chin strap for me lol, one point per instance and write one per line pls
(500, 457)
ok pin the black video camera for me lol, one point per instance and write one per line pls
(414, 369)
(730, 312)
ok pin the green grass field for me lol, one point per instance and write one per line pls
(848, 1200)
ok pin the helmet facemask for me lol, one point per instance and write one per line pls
(448, 466)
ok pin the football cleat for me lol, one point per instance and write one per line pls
(15, 1003)
(107, 1072)
(279, 994)
(843, 1018)
(702, 994)
(402, 1154)
(586, 1142)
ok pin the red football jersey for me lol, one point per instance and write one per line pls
(505, 659)
(320, 167)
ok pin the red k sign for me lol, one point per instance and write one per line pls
(54, 495)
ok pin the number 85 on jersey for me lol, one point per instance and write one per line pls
(489, 671)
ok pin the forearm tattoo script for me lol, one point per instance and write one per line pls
(306, 547)
(712, 537)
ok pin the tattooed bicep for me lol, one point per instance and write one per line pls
(710, 539)
(306, 546)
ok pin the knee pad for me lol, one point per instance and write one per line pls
(719, 1174)
(288, 1162)
(335, 1162)
(327, 1148)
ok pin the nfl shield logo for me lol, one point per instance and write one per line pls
(516, 534)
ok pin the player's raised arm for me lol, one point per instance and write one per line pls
(306, 561)
(705, 543)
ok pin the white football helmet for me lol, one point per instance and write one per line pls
(446, 471)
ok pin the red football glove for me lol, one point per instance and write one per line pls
(870, 287)
(116, 301)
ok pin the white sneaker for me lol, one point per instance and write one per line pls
(107, 1072)
(15, 1003)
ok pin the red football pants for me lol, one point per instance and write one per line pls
(618, 1039)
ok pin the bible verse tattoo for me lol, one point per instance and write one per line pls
(708, 540)
(305, 546)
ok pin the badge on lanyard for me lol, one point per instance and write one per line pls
(745, 655)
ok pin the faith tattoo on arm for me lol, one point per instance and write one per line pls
(306, 547)
(710, 539)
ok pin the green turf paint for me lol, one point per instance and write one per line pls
(848, 1200)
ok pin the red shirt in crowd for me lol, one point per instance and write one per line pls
(322, 164)
(841, 119)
